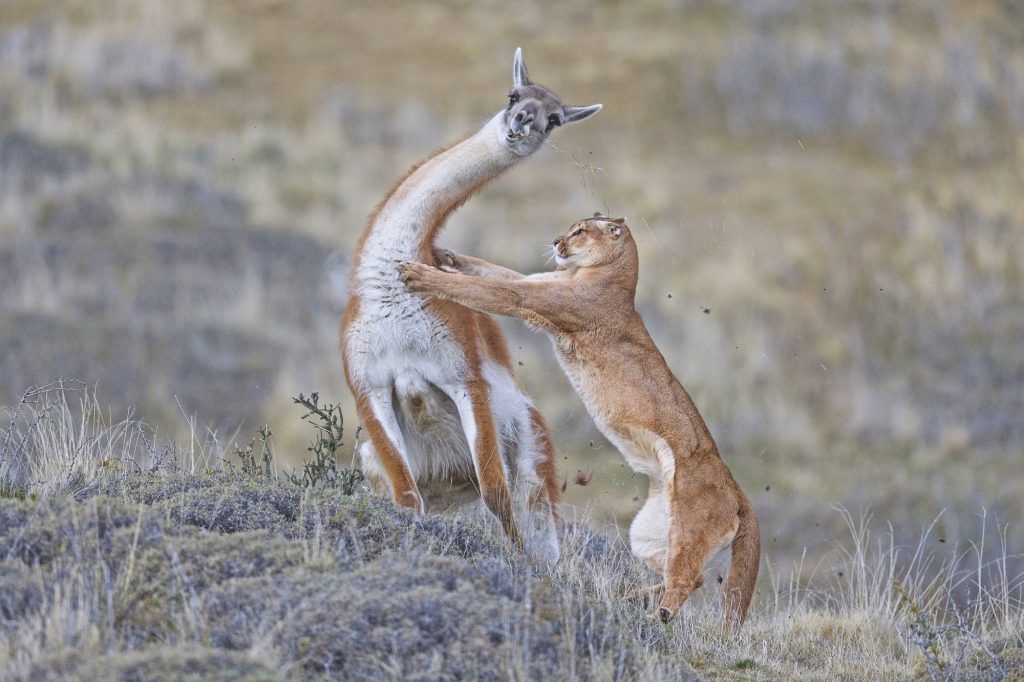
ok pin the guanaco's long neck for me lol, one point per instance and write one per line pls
(406, 225)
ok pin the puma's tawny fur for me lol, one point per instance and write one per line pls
(694, 507)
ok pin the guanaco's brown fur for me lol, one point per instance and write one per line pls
(433, 380)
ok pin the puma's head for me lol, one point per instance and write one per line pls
(594, 241)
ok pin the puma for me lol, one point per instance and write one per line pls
(694, 507)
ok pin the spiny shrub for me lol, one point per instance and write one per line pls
(328, 427)
(257, 458)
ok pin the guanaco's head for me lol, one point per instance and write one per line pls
(534, 111)
(596, 241)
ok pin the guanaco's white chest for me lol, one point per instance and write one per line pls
(395, 339)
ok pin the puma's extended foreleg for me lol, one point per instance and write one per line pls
(449, 261)
(540, 300)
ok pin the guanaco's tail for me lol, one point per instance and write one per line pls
(744, 566)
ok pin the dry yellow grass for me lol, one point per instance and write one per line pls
(123, 560)
(858, 247)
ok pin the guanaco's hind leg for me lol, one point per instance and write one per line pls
(538, 512)
(474, 408)
(378, 417)
(702, 521)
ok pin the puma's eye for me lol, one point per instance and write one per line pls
(554, 121)
(513, 97)
(577, 232)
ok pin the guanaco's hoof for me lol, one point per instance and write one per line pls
(665, 615)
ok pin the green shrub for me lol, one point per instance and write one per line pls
(328, 427)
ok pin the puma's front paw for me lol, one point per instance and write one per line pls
(417, 276)
(446, 260)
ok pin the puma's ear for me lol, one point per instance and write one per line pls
(616, 231)
(619, 221)
(598, 214)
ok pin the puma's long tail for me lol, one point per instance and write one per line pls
(744, 566)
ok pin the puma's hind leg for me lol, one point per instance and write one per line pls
(648, 541)
(703, 521)
(649, 531)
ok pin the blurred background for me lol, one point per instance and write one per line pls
(827, 197)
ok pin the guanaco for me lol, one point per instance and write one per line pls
(694, 507)
(432, 380)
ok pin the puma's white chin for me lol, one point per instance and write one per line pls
(560, 260)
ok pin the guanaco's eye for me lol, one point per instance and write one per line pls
(554, 121)
(513, 97)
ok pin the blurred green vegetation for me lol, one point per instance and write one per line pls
(826, 196)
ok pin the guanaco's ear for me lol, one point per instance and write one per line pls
(519, 75)
(573, 114)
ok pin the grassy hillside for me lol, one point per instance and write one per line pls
(118, 561)
(826, 196)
